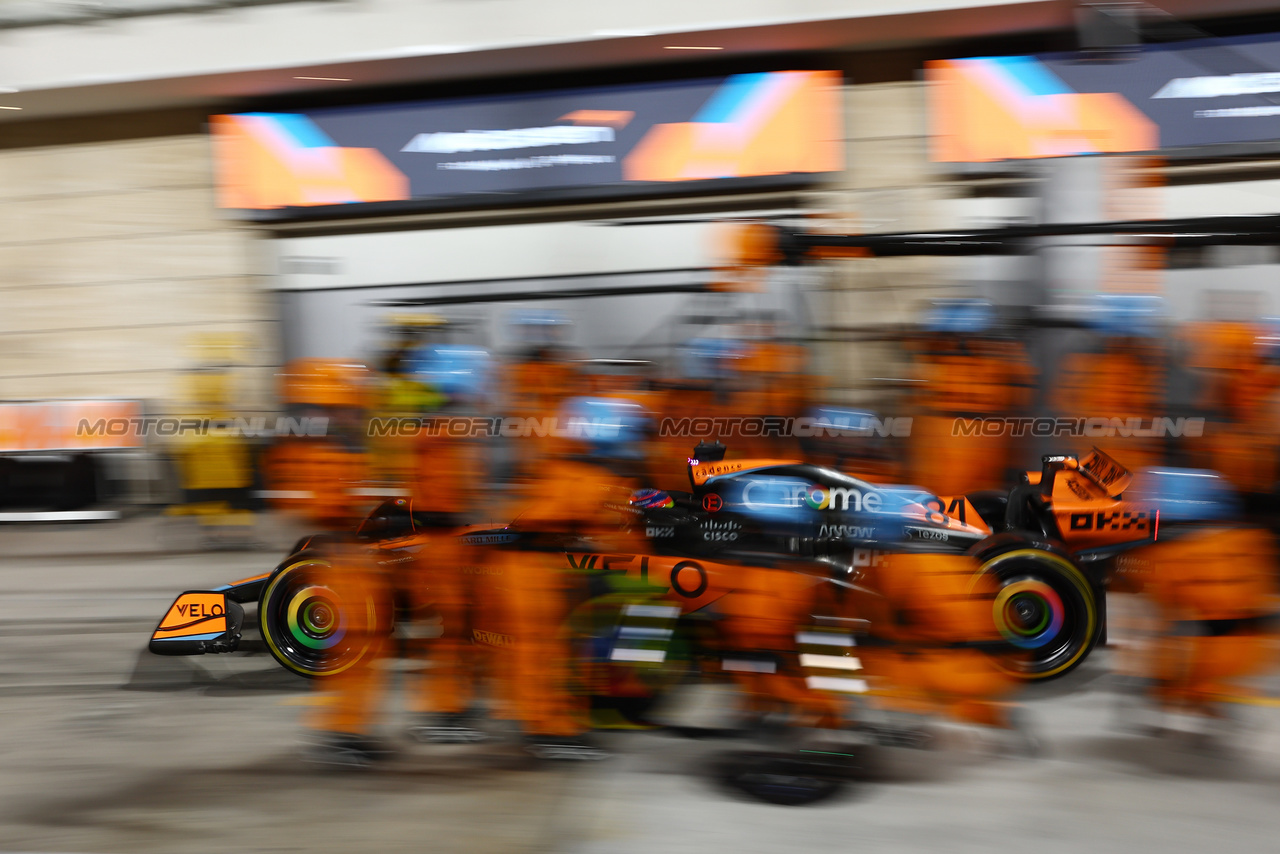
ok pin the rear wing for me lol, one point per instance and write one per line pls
(1106, 472)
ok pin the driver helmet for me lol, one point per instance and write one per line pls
(966, 317)
(459, 372)
(536, 328)
(1266, 342)
(1127, 315)
(711, 359)
(651, 499)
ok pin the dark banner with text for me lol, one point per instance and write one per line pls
(625, 137)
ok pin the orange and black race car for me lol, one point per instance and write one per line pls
(1049, 543)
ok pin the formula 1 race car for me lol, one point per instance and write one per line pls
(1048, 543)
(1051, 543)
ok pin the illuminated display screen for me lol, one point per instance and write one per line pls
(619, 137)
(1190, 94)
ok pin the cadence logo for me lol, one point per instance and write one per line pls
(771, 495)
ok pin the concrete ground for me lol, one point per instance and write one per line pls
(106, 748)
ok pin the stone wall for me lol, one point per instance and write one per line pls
(115, 264)
(890, 185)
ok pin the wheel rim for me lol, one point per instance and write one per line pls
(314, 617)
(302, 622)
(1029, 613)
(1045, 607)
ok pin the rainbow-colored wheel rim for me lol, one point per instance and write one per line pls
(314, 618)
(1029, 613)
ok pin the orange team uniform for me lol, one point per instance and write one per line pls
(446, 487)
(532, 589)
(363, 592)
(935, 605)
(1214, 590)
(1117, 384)
(1241, 392)
(762, 613)
(988, 383)
(775, 385)
(537, 388)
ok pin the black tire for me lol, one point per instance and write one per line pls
(1047, 608)
(783, 779)
(593, 626)
(300, 620)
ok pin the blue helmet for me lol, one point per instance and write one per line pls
(1268, 340)
(960, 317)
(1185, 495)
(710, 358)
(1127, 315)
(610, 427)
(455, 370)
(538, 326)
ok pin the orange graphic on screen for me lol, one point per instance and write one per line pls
(1004, 108)
(63, 425)
(755, 124)
(275, 160)
(616, 119)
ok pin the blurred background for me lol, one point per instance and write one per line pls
(248, 246)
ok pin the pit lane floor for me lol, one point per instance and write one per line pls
(109, 749)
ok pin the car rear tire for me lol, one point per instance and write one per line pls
(301, 621)
(788, 780)
(1045, 607)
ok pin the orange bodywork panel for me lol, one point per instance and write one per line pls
(703, 472)
(960, 509)
(193, 614)
(1089, 518)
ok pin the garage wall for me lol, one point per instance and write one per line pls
(333, 287)
(113, 263)
(890, 186)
